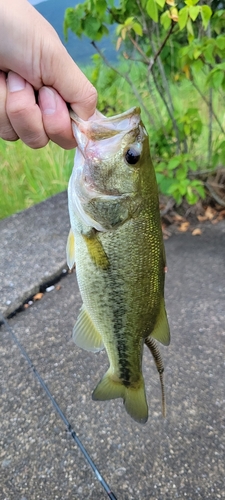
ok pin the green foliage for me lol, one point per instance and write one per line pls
(173, 178)
(168, 45)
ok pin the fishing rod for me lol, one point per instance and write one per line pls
(59, 411)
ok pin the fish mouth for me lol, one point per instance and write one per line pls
(99, 127)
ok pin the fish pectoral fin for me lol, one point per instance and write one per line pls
(161, 331)
(70, 250)
(96, 251)
(134, 398)
(85, 335)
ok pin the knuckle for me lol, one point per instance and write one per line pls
(90, 95)
(35, 142)
(7, 133)
(16, 109)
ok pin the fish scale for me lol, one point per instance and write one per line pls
(116, 242)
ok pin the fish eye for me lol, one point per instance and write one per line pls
(132, 156)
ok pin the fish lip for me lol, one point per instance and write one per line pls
(135, 110)
(100, 127)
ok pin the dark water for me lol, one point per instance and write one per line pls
(80, 49)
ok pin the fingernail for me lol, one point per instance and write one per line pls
(47, 101)
(15, 82)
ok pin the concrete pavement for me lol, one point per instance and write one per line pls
(180, 457)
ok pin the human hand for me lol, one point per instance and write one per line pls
(34, 63)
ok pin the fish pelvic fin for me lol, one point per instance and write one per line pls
(96, 251)
(70, 250)
(161, 330)
(85, 335)
(134, 398)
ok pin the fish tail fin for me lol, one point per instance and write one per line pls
(134, 398)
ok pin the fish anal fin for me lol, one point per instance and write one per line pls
(85, 335)
(70, 250)
(134, 398)
(161, 330)
(96, 251)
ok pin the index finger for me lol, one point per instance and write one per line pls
(69, 81)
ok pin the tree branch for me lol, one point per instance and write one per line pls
(208, 104)
(138, 48)
(156, 55)
(167, 101)
(127, 78)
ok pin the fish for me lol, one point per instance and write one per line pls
(116, 244)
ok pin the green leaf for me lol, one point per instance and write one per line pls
(201, 191)
(91, 27)
(193, 165)
(194, 12)
(161, 3)
(129, 21)
(138, 29)
(220, 42)
(181, 173)
(187, 129)
(104, 30)
(197, 53)
(159, 177)
(173, 163)
(152, 10)
(73, 20)
(173, 187)
(191, 2)
(197, 65)
(208, 53)
(190, 28)
(192, 198)
(161, 167)
(183, 17)
(183, 186)
(198, 186)
(165, 184)
(206, 13)
(217, 79)
(101, 6)
(165, 20)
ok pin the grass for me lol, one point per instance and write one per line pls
(30, 176)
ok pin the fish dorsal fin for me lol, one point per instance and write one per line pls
(161, 331)
(70, 250)
(85, 334)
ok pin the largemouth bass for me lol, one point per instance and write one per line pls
(116, 243)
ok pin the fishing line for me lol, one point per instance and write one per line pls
(59, 411)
